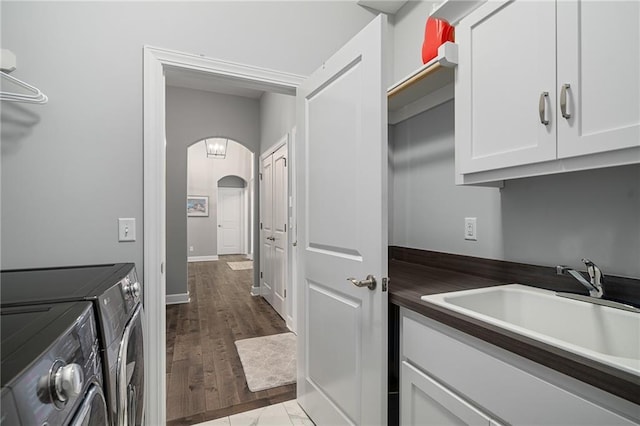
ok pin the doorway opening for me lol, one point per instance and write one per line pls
(227, 185)
(160, 65)
(206, 376)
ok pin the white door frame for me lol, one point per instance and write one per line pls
(292, 253)
(243, 218)
(154, 193)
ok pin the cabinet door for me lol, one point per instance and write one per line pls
(425, 402)
(599, 66)
(507, 62)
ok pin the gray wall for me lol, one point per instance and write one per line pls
(278, 114)
(548, 220)
(428, 208)
(544, 220)
(232, 182)
(191, 116)
(408, 34)
(71, 167)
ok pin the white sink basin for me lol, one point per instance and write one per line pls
(602, 333)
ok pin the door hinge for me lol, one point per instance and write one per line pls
(260, 176)
(385, 282)
(285, 227)
(260, 274)
(260, 225)
(285, 162)
(285, 293)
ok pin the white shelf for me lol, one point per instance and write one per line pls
(425, 88)
(453, 11)
(389, 7)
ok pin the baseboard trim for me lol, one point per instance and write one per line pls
(174, 299)
(255, 291)
(202, 258)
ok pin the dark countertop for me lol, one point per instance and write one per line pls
(410, 281)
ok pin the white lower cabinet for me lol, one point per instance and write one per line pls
(425, 402)
(450, 378)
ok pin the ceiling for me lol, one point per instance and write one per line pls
(210, 83)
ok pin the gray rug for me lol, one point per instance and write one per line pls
(239, 266)
(268, 361)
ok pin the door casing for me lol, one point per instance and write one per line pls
(156, 60)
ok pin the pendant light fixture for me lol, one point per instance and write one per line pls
(216, 147)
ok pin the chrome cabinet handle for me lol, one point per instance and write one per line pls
(369, 282)
(563, 101)
(542, 107)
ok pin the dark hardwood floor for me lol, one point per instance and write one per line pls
(205, 379)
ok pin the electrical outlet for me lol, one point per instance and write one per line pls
(190, 248)
(470, 229)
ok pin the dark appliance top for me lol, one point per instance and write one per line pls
(49, 359)
(44, 285)
(30, 331)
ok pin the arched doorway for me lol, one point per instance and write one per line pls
(227, 228)
(233, 216)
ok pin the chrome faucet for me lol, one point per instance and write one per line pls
(596, 277)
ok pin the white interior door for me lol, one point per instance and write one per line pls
(280, 243)
(342, 230)
(266, 229)
(230, 220)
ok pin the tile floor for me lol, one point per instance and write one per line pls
(286, 413)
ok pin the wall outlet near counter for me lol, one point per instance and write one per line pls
(470, 231)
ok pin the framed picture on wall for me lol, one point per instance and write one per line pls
(197, 205)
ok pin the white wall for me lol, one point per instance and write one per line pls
(203, 175)
(71, 167)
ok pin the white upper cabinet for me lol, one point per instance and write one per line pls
(508, 63)
(546, 87)
(599, 75)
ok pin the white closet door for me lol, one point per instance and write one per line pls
(266, 251)
(342, 233)
(230, 220)
(279, 235)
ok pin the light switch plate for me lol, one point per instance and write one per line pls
(126, 229)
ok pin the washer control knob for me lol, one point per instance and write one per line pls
(68, 382)
(132, 289)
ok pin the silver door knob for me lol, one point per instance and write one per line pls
(369, 282)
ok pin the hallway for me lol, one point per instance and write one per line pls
(205, 379)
